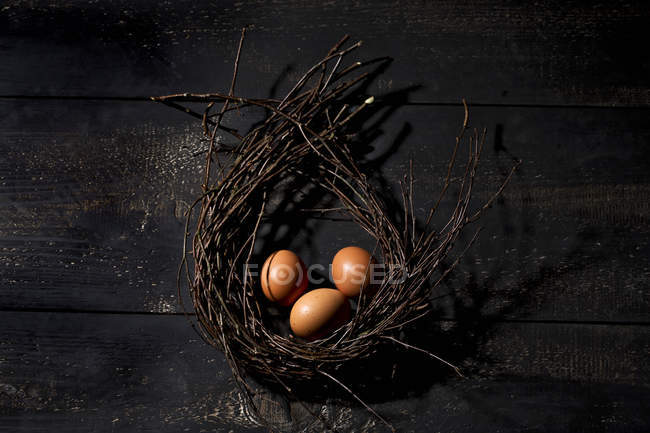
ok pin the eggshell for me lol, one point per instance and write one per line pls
(319, 312)
(351, 270)
(283, 277)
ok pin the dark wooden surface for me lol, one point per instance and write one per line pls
(547, 314)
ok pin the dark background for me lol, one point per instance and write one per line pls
(547, 314)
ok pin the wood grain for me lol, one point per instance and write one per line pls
(76, 372)
(489, 52)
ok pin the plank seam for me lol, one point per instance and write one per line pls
(439, 319)
(409, 103)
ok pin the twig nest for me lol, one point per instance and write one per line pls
(305, 136)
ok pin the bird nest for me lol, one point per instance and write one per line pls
(304, 138)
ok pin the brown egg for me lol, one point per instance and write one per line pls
(284, 277)
(351, 270)
(319, 312)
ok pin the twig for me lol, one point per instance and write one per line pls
(357, 398)
(217, 123)
(395, 340)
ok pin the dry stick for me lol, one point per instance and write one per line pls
(242, 105)
(450, 166)
(495, 195)
(169, 103)
(259, 103)
(184, 264)
(329, 78)
(250, 252)
(345, 107)
(457, 260)
(456, 369)
(221, 149)
(223, 110)
(402, 324)
(368, 101)
(411, 202)
(357, 65)
(460, 203)
(405, 206)
(263, 103)
(317, 88)
(204, 121)
(210, 97)
(219, 297)
(342, 385)
(313, 69)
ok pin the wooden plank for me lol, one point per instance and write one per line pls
(498, 53)
(79, 225)
(106, 372)
(75, 372)
(93, 193)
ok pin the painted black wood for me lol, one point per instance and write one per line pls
(547, 314)
(105, 372)
(491, 52)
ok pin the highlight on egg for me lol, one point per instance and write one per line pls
(352, 270)
(283, 277)
(318, 313)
